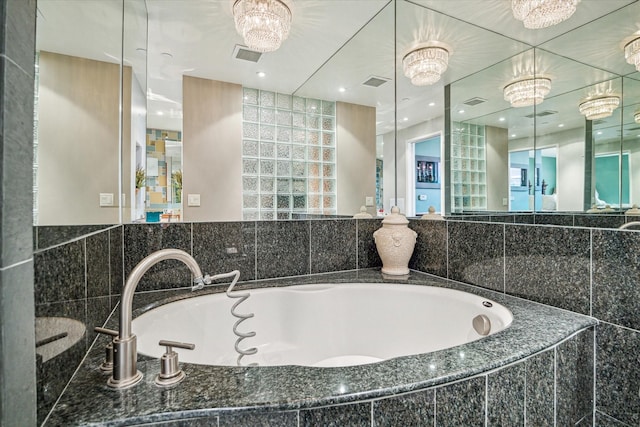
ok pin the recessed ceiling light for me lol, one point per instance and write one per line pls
(461, 111)
(431, 104)
(599, 132)
(502, 119)
(342, 89)
(513, 135)
(159, 113)
(261, 73)
(561, 125)
(405, 119)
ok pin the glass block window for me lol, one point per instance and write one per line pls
(289, 156)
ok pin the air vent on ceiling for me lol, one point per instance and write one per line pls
(474, 101)
(541, 114)
(375, 81)
(246, 54)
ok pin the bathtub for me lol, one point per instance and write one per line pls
(321, 325)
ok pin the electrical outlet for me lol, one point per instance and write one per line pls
(193, 200)
(106, 199)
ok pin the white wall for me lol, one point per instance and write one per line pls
(356, 157)
(78, 133)
(212, 149)
(497, 149)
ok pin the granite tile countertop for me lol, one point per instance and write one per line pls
(208, 390)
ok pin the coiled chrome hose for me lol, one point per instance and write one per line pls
(241, 317)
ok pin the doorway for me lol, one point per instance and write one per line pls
(425, 175)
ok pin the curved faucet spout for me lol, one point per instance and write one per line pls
(126, 305)
(125, 373)
(631, 224)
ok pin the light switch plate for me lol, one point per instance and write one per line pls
(368, 201)
(193, 200)
(106, 199)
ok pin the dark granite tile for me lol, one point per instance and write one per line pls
(618, 373)
(98, 311)
(141, 240)
(18, 393)
(508, 219)
(190, 422)
(16, 136)
(220, 247)
(19, 34)
(413, 409)
(603, 420)
(333, 245)
(282, 248)
(476, 253)
(98, 265)
(59, 273)
(275, 419)
(598, 220)
(523, 218)
(355, 415)
(430, 253)
(461, 404)
(52, 235)
(540, 380)
(505, 396)
(549, 265)
(367, 253)
(58, 360)
(574, 379)
(116, 263)
(553, 219)
(616, 274)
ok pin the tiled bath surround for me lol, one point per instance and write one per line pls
(590, 271)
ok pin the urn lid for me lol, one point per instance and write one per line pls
(633, 211)
(395, 218)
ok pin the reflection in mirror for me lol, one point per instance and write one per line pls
(78, 47)
(631, 138)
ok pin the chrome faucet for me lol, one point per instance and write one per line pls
(125, 373)
(629, 225)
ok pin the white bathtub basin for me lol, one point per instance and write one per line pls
(320, 325)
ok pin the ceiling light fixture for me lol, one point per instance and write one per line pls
(543, 13)
(599, 108)
(632, 52)
(425, 65)
(527, 92)
(264, 24)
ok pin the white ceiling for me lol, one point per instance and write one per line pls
(342, 43)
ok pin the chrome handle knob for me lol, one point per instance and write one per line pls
(107, 364)
(170, 372)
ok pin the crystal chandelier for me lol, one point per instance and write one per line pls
(543, 13)
(527, 92)
(264, 24)
(632, 53)
(599, 108)
(425, 65)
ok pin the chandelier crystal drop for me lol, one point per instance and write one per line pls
(632, 53)
(543, 13)
(527, 92)
(599, 108)
(425, 65)
(264, 24)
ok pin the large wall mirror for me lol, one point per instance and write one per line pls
(155, 111)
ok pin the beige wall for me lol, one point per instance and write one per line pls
(356, 157)
(497, 168)
(212, 149)
(78, 147)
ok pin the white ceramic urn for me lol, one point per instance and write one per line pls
(395, 242)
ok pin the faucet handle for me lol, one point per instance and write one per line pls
(170, 372)
(107, 364)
